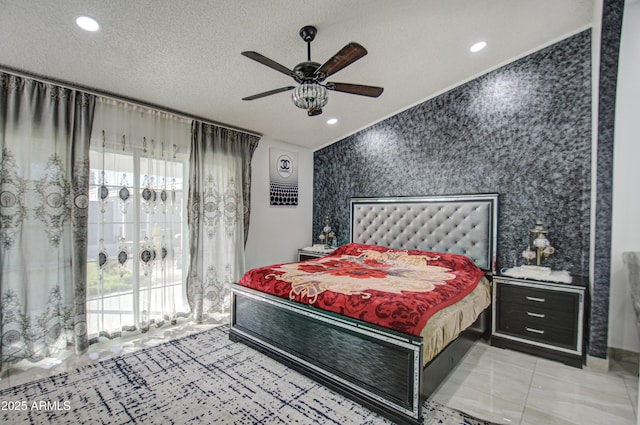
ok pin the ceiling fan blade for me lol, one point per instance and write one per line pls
(268, 62)
(345, 57)
(314, 112)
(268, 93)
(359, 89)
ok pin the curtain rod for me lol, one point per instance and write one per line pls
(113, 96)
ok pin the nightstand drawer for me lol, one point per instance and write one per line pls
(544, 325)
(536, 298)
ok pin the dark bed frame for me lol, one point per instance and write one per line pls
(377, 367)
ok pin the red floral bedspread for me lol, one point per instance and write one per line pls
(396, 289)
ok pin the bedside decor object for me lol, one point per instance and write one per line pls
(543, 248)
(327, 236)
(540, 252)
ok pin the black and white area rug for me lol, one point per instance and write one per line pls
(199, 379)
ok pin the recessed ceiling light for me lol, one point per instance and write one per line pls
(478, 46)
(332, 121)
(87, 23)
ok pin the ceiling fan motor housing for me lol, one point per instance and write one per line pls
(305, 71)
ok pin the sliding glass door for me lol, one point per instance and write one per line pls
(137, 252)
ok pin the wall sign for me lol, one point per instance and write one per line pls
(283, 177)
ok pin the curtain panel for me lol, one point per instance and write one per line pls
(136, 226)
(218, 214)
(44, 179)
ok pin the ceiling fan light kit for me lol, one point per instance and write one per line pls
(311, 94)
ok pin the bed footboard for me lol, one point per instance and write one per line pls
(376, 367)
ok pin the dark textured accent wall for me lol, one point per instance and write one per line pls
(612, 13)
(523, 131)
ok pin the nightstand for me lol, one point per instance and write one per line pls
(313, 252)
(541, 318)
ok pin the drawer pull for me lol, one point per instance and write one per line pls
(536, 299)
(541, 316)
(536, 331)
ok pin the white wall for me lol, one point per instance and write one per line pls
(276, 233)
(626, 175)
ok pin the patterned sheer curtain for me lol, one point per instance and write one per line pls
(218, 215)
(44, 178)
(137, 228)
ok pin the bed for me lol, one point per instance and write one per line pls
(391, 369)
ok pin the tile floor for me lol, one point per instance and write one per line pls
(509, 387)
(499, 385)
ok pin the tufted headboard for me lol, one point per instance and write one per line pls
(460, 224)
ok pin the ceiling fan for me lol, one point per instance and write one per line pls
(311, 93)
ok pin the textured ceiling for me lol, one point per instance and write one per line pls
(185, 55)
